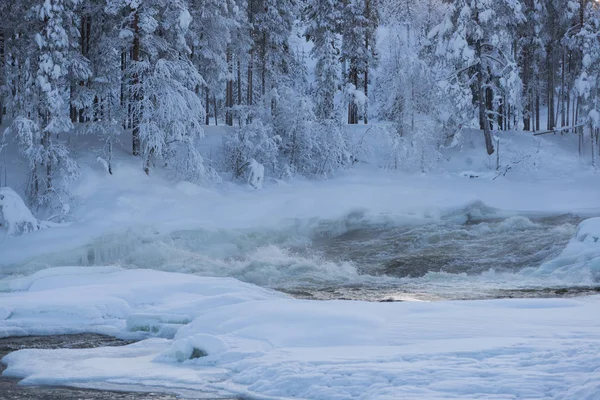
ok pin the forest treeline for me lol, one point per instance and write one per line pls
(154, 72)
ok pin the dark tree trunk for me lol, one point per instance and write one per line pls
(2, 75)
(527, 108)
(489, 106)
(563, 110)
(366, 93)
(239, 82)
(206, 108)
(215, 110)
(489, 146)
(229, 91)
(352, 106)
(250, 99)
(366, 71)
(239, 88)
(263, 70)
(135, 55)
(501, 119)
(123, 99)
(537, 110)
(550, 85)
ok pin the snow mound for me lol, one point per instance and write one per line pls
(579, 262)
(193, 347)
(589, 231)
(15, 216)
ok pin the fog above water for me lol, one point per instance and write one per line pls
(472, 253)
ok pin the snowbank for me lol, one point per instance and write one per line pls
(579, 262)
(232, 338)
(589, 231)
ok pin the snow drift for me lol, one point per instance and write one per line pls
(230, 338)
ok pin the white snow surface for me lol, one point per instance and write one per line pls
(263, 344)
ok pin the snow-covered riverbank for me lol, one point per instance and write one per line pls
(264, 344)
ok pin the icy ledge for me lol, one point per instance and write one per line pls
(225, 336)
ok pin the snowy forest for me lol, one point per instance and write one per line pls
(300, 199)
(288, 76)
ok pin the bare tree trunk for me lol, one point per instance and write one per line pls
(2, 75)
(123, 85)
(580, 134)
(135, 55)
(528, 109)
(215, 110)
(229, 91)
(550, 70)
(550, 98)
(574, 112)
(563, 110)
(206, 107)
(239, 82)
(239, 88)
(82, 42)
(592, 146)
(537, 110)
(508, 125)
(568, 121)
(249, 99)
(366, 94)
(352, 106)
(501, 116)
(263, 61)
(576, 120)
(489, 146)
(366, 71)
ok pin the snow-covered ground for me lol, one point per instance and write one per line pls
(264, 344)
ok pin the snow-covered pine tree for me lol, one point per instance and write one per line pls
(41, 99)
(472, 39)
(167, 112)
(323, 19)
(531, 53)
(587, 40)
(359, 21)
(405, 84)
(213, 22)
(273, 21)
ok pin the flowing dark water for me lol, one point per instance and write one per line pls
(475, 259)
(472, 253)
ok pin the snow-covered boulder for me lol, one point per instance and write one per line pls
(588, 231)
(256, 174)
(15, 216)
